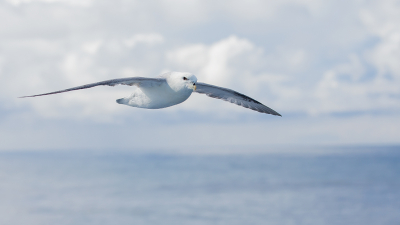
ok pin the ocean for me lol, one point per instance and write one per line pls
(115, 187)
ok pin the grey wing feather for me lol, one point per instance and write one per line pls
(233, 97)
(131, 81)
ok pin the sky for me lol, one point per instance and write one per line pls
(331, 68)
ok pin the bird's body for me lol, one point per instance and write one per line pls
(169, 93)
(170, 89)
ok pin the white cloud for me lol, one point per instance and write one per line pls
(213, 63)
(383, 20)
(370, 80)
(182, 12)
(149, 39)
(267, 9)
(69, 2)
(92, 47)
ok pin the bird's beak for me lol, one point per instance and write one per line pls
(194, 87)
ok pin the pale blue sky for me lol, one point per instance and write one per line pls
(331, 68)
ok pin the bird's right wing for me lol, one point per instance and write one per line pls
(233, 97)
(131, 81)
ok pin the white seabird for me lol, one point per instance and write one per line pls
(171, 89)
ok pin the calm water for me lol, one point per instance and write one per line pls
(121, 188)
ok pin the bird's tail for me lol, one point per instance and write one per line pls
(123, 101)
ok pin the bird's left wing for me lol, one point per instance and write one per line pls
(233, 97)
(131, 81)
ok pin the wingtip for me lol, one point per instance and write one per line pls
(273, 112)
(276, 114)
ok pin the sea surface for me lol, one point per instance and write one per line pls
(126, 188)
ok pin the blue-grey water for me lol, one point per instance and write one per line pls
(122, 188)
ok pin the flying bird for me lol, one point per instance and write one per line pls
(171, 89)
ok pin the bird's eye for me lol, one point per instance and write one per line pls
(184, 78)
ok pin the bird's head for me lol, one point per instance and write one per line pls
(182, 80)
